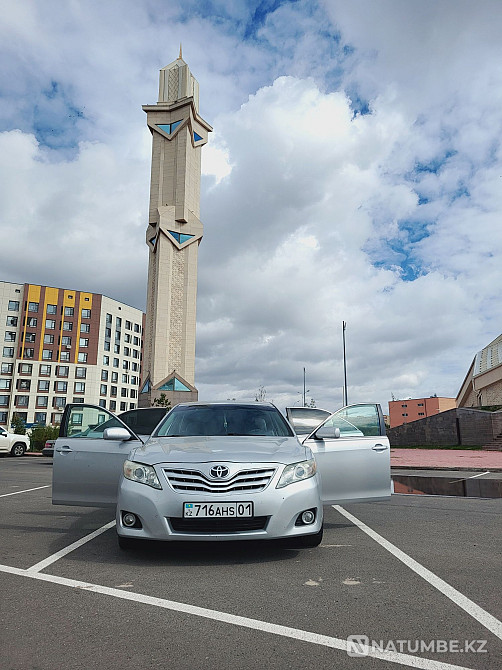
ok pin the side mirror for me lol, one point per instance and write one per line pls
(326, 433)
(117, 434)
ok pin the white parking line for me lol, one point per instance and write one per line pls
(233, 619)
(4, 495)
(75, 545)
(475, 611)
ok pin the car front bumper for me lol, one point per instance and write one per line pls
(276, 511)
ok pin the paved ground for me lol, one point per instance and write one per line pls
(413, 569)
(446, 458)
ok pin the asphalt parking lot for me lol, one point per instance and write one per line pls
(419, 575)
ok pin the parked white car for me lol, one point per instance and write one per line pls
(13, 443)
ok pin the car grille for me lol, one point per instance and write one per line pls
(218, 525)
(245, 480)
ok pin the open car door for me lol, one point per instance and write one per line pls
(353, 455)
(88, 456)
(305, 419)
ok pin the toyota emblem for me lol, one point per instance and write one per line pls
(219, 472)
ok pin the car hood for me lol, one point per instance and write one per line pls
(234, 449)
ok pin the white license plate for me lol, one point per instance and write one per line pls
(202, 510)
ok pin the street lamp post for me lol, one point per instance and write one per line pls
(345, 399)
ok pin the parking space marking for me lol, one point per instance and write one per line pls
(482, 616)
(71, 547)
(4, 495)
(233, 619)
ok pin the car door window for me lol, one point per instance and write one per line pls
(89, 422)
(353, 421)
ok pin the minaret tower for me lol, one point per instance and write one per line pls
(173, 236)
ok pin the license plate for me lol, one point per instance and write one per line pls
(202, 510)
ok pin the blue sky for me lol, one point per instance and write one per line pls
(354, 173)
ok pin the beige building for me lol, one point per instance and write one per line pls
(482, 386)
(64, 346)
(173, 236)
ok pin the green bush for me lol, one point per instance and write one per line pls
(18, 424)
(40, 434)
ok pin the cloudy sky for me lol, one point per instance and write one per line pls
(354, 174)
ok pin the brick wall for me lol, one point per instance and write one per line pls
(464, 426)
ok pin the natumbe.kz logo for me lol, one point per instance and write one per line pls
(361, 645)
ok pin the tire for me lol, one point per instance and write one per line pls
(18, 449)
(307, 541)
(126, 543)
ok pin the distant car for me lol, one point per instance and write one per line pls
(48, 449)
(141, 420)
(221, 471)
(12, 443)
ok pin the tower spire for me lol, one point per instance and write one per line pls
(181, 55)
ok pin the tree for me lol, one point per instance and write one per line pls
(18, 424)
(260, 394)
(162, 401)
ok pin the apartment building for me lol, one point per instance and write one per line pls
(61, 345)
(413, 409)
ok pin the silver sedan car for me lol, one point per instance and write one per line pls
(221, 471)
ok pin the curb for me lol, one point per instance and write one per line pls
(445, 469)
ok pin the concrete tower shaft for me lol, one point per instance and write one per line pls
(173, 235)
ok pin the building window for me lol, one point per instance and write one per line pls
(62, 370)
(123, 393)
(103, 389)
(40, 418)
(137, 328)
(22, 400)
(118, 322)
(104, 375)
(13, 306)
(29, 353)
(66, 341)
(115, 377)
(134, 367)
(125, 365)
(116, 348)
(404, 414)
(421, 414)
(113, 390)
(79, 387)
(50, 324)
(7, 368)
(68, 311)
(10, 336)
(8, 352)
(108, 332)
(25, 368)
(51, 309)
(127, 338)
(68, 326)
(106, 360)
(133, 393)
(30, 337)
(82, 357)
(85, 327)
(11, 321)
(3, 417)
(23, 384)
(83, 342)
(107, 345)
(404, 406)
(45, 370)
(108, 318)
(127, 351)
(115, 361)
(102, 403)
(125, 379)
(117, 336)
(4, 400)
(42, 400)
(60, 387)
(33, 307)
(113, 405)
(86, 313)
(21, 415)
(43, 384)
(78, 399)
(5, 384)
(31, 321)
(64, 356)
(128, 325)
(81, 373)
(135, 353)
(58, 401)
(420, 404)
(136, 341)
(48, 339)
(123, 406)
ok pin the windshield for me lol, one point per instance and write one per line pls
(188, 420)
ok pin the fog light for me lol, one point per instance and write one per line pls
(129, 519)
(308, 517)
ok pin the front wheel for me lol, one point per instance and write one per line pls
(18, 449)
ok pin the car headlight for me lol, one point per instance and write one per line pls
(297, 472)
(144, 474)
